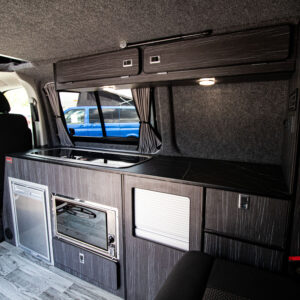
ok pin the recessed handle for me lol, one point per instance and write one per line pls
(81, 258)
(154, 59)
(127, 63)
(244, 201)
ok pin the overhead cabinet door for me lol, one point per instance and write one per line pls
(105, 65)
(252, 46)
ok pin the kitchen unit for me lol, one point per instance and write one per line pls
(192, 212)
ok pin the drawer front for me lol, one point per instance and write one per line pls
(86, 265)
(243, 252)
(265, 221)
(252, 46)
(106, 65)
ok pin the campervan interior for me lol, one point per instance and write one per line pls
(149, 149)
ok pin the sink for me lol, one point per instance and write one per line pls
(92, 157)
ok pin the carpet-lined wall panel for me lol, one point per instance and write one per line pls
(236, 121)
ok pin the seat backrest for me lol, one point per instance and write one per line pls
(15, 136)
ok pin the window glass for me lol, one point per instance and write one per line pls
(75, 116)
(128, 114)
(113, 102)
(94, 115)
(117, 107)
(19, 103)
(110, 114)
(81, 114)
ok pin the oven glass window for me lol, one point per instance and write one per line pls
(82, 223)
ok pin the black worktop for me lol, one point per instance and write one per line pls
(258, 179)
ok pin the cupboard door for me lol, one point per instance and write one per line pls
(150, 259)
(85, 265)
(105, 65)
(243, 252)
(264, 221)
(252, 46)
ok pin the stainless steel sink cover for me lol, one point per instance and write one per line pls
(91, 157)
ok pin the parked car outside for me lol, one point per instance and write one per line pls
(120, 121)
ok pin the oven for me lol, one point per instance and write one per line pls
(87, 224)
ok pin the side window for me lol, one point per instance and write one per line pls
(128, 114)
(115, 105)
(94, 115)
(110, 115)
(75, 116)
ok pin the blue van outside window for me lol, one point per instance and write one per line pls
(120, 121)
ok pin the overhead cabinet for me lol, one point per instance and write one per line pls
(246, 47)
(105, 65)
(249, 52)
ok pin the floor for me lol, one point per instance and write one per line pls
(23, 277)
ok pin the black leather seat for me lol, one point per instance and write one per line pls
(199, 276)
(15, 136)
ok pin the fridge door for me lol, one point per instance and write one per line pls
(31, 220)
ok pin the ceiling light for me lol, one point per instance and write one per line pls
(207, 81)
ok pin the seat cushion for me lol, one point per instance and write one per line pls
(247, 282)
(188, 278)
(200, 276)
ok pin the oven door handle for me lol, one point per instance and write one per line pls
(80, 212)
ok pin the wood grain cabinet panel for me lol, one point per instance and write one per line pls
(290, 138)
(243, 252)
(149, 263)
(252, 46)
(265, 221)
(90, 185)
(92, 268)
(105, 65)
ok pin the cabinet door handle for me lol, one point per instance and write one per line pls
(127, 63)
(244, 201)
(154, 59)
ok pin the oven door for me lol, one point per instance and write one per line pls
(87, 224)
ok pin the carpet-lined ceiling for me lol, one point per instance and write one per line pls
(46, 31)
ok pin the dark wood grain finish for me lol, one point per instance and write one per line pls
(292, 124)
(252, 46)
(90, 185)
(95, 269)
(243, 252)
(103, 65)
(290, 140)
(184, 77)
(264, 222)
(147, 263)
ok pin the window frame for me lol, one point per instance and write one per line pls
(104, 139)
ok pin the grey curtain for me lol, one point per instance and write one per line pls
(149, 141)
(54, 102)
